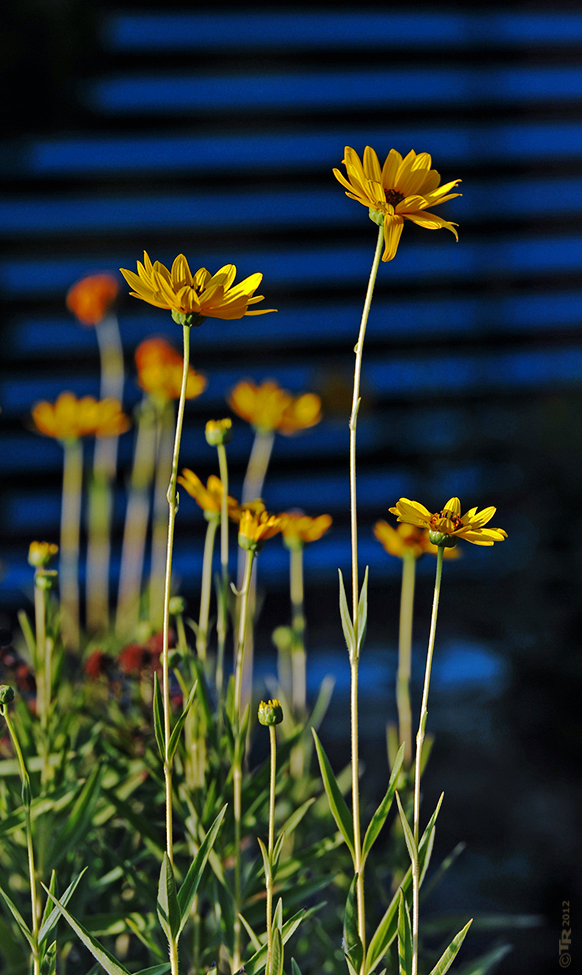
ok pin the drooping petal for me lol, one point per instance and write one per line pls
(430, 221)
(393, 225)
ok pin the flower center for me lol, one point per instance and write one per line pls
(393, 197)
(446, 522)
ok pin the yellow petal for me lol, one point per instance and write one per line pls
(393, 225)
(453, 507)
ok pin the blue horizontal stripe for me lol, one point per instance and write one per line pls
(331, 90)
(499, 144)
(364, 30)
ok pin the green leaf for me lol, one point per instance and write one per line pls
(486, 963)
(404, 937)
(257, 962)
(410, 841)
(379, 817)
(362, 614)
(277, 852)
(50, 919)
(353, 948)
(192, 879)
(295, 970)
(276, 966)
(347, 625)
(253, 938)
(158, 718)
(78, 821)
(168, 909)
(105, 959)
(177, 730)
(266, 861)
(449, 954)
(155, 969)
(18, 918)
(295, 818)
(337, 803)
(48, 963)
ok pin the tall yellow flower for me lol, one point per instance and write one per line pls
(256, 526)
(91, 298)
(299, 528)
(269, 407)
(159, 371)
(70, 418)
(407, 541)
(193, 297)
(209, 498)
(401, 189)
(447, 526)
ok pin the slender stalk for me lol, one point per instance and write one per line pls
(298, 677)
(359, 350)
(418, 760)
(222, 616)
(165, 426)
(70, 536)
(202, 635)
(44, 647)
(136, 523)
(271, 846)
(405, 657)
(242, 632)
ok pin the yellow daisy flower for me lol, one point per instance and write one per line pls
(70, 418)
(405, 541)
(269, 407)
(160, 368)
(209, 498)
(256, 526)
(447, 526)
(91, 298)
(193, 297)
(401, 189)
(300, 528)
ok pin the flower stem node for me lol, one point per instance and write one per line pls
(177, 605)
(7, 694)
(190, 319)
(40, 554)
(442, 540)
(218, 432)
(270, 713)
(47, 579)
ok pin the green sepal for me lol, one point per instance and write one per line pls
(192, 879)
(353, 948)
(362, 618)
(347, 624)
(449, 954)
(105, 959)
(167, 905)
(404, 937)
(337, 803)
(408, 835)
(379, 817)
(177, 730)
(158, 719)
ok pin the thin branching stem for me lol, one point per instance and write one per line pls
(271, 846)
(206, 588)
(222, 615)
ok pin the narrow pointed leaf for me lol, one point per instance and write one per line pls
(48, 962)
(192, 879)
(295, 818)
(404, 937)
(276, 966)
(257, 962)
(337, 803)
(177, 729)
(78, 820)
(449, 954)
(347, 625)
(105, 959)
(353, 948)
(266, 862)
(18, 918)
(48, 922)
(155, 969)
(158, 720)
(362, 614)
(168, 909)
(295, 970)
(410, 841)
(277, 852)
(254, 940)
(379, 817)
(486, 963)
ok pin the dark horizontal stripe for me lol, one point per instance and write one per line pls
(365, 30)
(494, 143)
(324, 91)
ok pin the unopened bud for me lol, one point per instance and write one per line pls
(270, 713)
(47, 579)
(218, 432)
(40, 554)
(6, 694)
(442, 539)
(177, 605)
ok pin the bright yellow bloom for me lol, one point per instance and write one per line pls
(40, 554)
(209, 498)
(193, 297)
(160, 368)
(91, 298)
(269, 407)
(299, 528)
(401, 189)
(407, 541)
(449, 523)
(70, 418)
(256, 526)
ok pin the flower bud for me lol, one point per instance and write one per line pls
(270, 713)
(177, 605)
(47, 579)
(219, 432)
(6, 694)
(442, 539)
(40, 554)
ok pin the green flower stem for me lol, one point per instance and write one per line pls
(405, 657)
(418, 760)
(70, 533)
(271, 846)
(136, 523)
(298, 680)
(222, 616)
(237, 765)
(104, 470)
(172, 506)
(26, 802)
(165, 426)
(359, 350)
(44, 666)
(202, 634)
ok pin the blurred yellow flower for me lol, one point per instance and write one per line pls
(448, 523)
(401, 189)
(218, 432)
(193, 297)
(209, 498)
(160, 368)
(407, 541)
(256, 526)
(269, 407)
(70, 418)
(91, 298)
(40, 554)
(299, 528)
